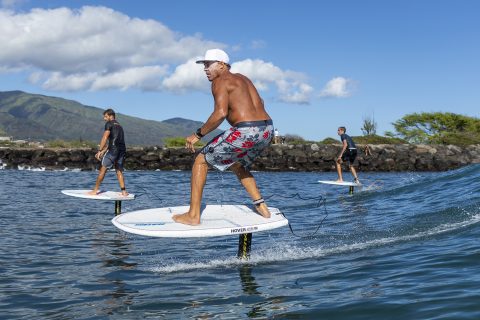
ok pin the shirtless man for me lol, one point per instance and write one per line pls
(237, 100)
(111, 151)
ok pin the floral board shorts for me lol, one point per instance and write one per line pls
(241, 143)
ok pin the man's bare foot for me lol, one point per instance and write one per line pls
(124, 193)
(263, 210)
(339, 180)
(186, 218)
(93, 193)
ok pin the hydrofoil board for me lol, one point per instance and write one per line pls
(216, 220)
(102, 195)
(343, 183)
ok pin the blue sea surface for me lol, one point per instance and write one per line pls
(406, 246)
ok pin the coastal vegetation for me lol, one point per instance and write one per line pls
(177, 142)
(438, 128)
(58, 143)
(423, 128)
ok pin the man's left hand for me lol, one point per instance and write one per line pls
(191, 140)
(99, 155)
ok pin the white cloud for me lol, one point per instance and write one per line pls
(91, 38)
(292, 86)
(74, 82)
(144, 78)
(188, 76)
(74, 45)
(97, 48)
(338, 87)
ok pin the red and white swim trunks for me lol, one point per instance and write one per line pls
(241, 143)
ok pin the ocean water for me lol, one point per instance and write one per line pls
(405, 247)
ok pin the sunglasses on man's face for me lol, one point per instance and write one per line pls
(207, 64)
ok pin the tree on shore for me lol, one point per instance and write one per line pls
(369, 127)
(438, 128)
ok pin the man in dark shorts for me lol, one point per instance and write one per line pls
(349, 153)
(235, 99)
(111, 151)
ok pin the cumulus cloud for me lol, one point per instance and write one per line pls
(292, 86)
(75, 46)
(187, 76)
(338, 87)
(145, 78)
(98, 48)
(91, 38)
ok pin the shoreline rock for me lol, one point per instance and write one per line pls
(304, 157)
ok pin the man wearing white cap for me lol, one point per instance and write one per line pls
(237, 100)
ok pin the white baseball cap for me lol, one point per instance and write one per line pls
(215, 55)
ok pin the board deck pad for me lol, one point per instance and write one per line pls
(343, 183)
(102, 195)
(216, 220)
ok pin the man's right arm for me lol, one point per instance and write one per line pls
(102, 149)
(220, 112)
(344, 147)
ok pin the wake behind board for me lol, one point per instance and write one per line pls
(343, 183)
(102, 195)
(216, 220)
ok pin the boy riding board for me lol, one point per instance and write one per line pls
(235, 99)
(349, 152)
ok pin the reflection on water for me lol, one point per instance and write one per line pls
(249, 285)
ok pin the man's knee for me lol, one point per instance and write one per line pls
(200, 160)
(240, 171)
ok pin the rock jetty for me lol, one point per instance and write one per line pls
(303, 157)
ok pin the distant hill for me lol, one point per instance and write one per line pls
(43, 118)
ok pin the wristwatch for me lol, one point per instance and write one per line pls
(198, 133)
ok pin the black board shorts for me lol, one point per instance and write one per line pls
(114, 160)
(350, 155)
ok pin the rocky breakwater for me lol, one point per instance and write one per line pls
(305, 157)
(383, 157)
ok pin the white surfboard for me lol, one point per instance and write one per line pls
(216, 220)
(102, 195)
(343, 183)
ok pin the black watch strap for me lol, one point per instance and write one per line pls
(198, 133)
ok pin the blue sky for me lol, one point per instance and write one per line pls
(317, 64)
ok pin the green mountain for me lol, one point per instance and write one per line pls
(43, 118)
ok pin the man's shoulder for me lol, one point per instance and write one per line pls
(109, 124)
(228, 81)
